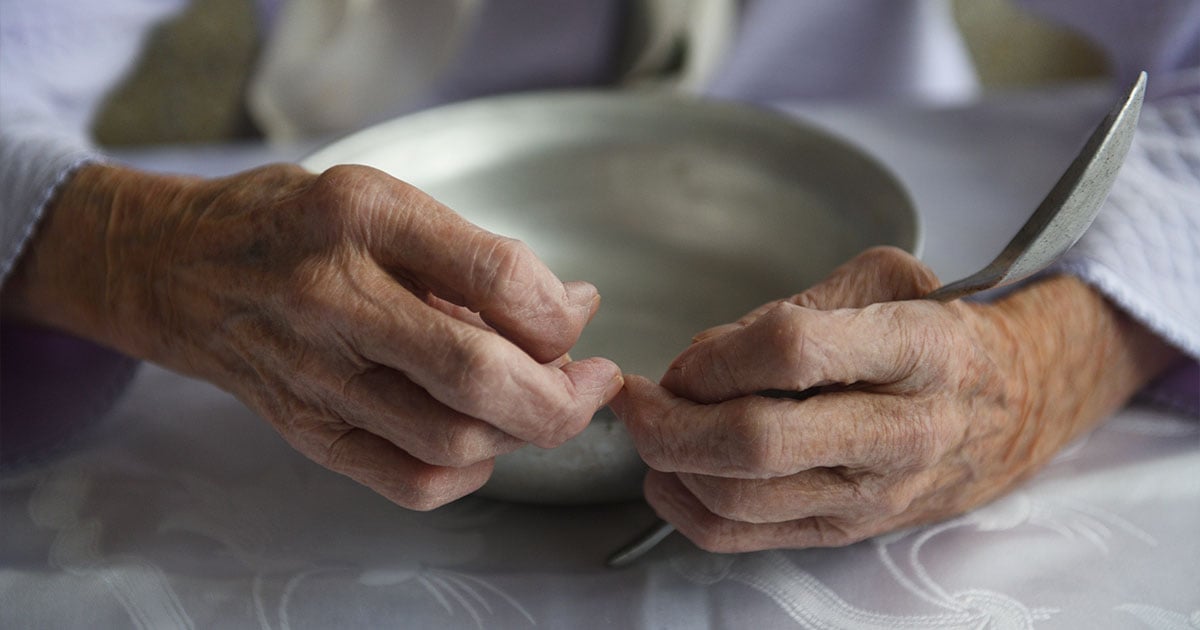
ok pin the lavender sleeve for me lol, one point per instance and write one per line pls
(57, 60)
(1143, 251)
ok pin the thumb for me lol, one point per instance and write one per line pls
(413, 236)
(879, 274)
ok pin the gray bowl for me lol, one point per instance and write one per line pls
(684, 213)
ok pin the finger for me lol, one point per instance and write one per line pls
(402, 478)
(792, 348)
(385, 403)
(411, 234)
(826, 492)
(879, 274)
(468, 316)
(483, 375)
(756, 437)
(469, 369)
(461, 313)
(471, 317)
(674, 503)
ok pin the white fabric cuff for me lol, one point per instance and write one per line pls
(34, 163)
(1143, 251)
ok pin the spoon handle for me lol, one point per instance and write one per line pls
(646, 541)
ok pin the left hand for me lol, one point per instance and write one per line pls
(924, 410)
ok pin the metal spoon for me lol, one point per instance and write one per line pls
(1059, 221)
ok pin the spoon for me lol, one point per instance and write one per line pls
(1059, 221)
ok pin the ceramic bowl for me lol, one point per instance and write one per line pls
(684, 213)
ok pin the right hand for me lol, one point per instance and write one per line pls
(381, 334)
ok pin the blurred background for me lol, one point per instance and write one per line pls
(190, 85)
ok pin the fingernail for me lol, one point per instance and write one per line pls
(561, 361)
(614, 387)
(584, 297)
(619, 401)
(581, 293)
(596, 377)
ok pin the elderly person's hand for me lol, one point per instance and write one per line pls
(924, 410)
(380, 333)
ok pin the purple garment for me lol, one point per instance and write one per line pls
(53, 386)
(834, 50)
(1160, 37)
(566, 43)
(1178, 389)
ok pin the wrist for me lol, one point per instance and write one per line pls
(1074, 357)
(90, 268)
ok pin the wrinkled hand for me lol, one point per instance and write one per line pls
(381, 334)
(924, 409)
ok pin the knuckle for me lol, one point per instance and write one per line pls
(727, 501)
(559, 426)
(509, 262)
(756, 445)
(314, 299)
(893, 502)
(916, 440)
(807, 299)
(431, 488)
(899, 269)
(713, 536)
(464, 444)
(334, 186)
(424, 488)
(305, 286)
(476, 374)
(653, 440)
(934, 350)
(850, 535)
(784, 331)
(835, 533)
(859, 494)
(927, 447)
(567, 416)
(654, 453)
(349, 194)
(879, 497)
(884, 256)
(472, 372)
(509, 254)
(921, 347)
(336, 454)
(516, 282)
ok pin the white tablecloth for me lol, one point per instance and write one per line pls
(184, 510)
